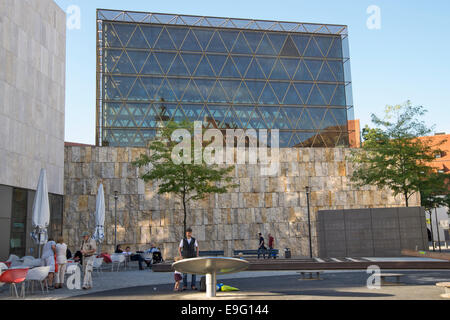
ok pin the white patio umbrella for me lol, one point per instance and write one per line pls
(41, 212)
(99, 233)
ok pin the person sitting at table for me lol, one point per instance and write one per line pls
(156, 253)
(68, 254)
(118, 249)
(136, 257)
(152, 249)
(78, 257)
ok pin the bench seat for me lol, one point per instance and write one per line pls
(211, 253)
(254, 252)
(311, 273)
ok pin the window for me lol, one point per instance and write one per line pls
(17, 242)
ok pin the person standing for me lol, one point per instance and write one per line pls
(271, 246)
(88, 249)
(61, 260)
(189, 249)
(261, 247)
(48, 259)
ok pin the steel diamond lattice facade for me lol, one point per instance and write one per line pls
(228, 73)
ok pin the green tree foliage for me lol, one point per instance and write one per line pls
(186, 181)
(392, 155)
(434, 191)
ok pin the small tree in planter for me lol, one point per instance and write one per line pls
(188, 182)
(393, 156)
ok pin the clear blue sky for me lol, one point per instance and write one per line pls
(408, 58)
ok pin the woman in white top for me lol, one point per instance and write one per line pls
(61, 260)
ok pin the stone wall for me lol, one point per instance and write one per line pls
(220, 222)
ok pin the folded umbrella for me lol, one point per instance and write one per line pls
(41, 211)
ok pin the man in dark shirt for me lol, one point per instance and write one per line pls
(261, 247)
(188, 249)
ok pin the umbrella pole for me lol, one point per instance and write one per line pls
(39, 245)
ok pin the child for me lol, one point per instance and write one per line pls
(178, 277)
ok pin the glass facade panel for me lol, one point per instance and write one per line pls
(269, 77)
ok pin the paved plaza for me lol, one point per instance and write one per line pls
(287, 285)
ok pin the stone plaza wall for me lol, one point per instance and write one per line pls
(220, 222)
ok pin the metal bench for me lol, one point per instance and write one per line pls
(254, 253)
(211, 253)
(446, 286)
(311, 273)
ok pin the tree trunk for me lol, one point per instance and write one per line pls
(185, 215)
(406, 199)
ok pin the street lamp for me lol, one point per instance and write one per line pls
(308, 190)
(437, 229)
(115, 218)
(431, 226)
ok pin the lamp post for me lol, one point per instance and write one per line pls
(437, 229)
(309, 221)
(431, 226)
(115, 219)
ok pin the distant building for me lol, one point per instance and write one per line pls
(442, 160)
(228, 73)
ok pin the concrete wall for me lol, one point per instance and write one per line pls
(220, 222)
(375, 232)
(32, 93)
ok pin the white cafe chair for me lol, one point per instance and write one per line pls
(15, 260)
(38, 274)
(97, 266)
(117, 259)
(12, 258)
(2, 267)
(28, 262)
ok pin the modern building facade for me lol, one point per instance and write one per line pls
(32, 94)
(227, 73)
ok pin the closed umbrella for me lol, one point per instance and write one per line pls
(99, 233)
(41, 211)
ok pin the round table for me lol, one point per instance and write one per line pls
(210, 266)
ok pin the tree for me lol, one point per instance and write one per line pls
(392, 155)
(434, 191)
(185, 181)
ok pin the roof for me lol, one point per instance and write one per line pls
(220, 22)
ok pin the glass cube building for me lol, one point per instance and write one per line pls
(228, 73)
